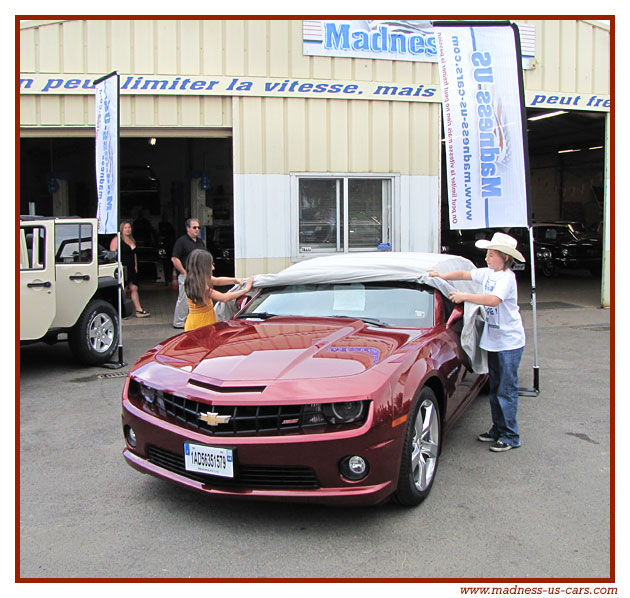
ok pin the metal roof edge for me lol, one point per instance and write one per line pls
(34, 24)
(599, 24)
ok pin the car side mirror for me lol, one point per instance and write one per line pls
(456, 315)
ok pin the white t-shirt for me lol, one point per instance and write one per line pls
(504, 328)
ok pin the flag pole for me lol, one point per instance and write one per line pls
(120, 363)
(526, 391)
(533, 392)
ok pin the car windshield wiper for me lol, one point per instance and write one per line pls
(372, 321)
(263, 315)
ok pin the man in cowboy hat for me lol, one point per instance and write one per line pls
(503, 334)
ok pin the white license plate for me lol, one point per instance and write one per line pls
(518, 267)
(209, 459)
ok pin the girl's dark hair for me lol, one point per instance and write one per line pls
(198, 272)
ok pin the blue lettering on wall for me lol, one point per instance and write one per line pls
(339, 37)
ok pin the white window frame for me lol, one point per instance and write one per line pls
(394, 207)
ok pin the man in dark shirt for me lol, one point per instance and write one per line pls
(182, 248)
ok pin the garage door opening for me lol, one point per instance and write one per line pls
(567, 166)
(163, 181)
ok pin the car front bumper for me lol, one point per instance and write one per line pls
(295, 468)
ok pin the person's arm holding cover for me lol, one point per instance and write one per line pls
(460, 296)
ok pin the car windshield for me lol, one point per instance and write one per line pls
(557, 233)
(396, 304)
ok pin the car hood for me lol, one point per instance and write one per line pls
(283, 349)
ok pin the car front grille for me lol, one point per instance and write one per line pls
(234, 420)
(247, 476)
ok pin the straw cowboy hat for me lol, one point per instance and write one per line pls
(503, 243)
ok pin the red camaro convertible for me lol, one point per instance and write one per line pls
(335, 383)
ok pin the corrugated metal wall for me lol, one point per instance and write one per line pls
(282, 135)
(572, 56)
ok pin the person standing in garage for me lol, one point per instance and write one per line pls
(129, 260)
(503, 334)
(181, 250)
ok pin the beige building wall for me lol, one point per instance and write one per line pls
(571, 56)
(277, 136)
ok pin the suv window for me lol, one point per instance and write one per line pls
(32, 248)
(73, 243)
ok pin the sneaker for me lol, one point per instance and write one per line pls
(486, 437)
(499, 447)
(142, 313)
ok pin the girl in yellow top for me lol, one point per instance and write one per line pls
(200, 292)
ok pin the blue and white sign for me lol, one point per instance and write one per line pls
(390, 40)
(483, 126)
(106, 119)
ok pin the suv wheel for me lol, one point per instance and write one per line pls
(93, 339)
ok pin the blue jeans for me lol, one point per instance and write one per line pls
(503, 395)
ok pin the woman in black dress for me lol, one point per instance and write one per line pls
(128, 258)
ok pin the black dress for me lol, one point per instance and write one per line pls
(128, 258)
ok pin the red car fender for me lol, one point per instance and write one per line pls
(422, 372)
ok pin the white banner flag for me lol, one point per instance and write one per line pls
(483, 126)
(106, 104)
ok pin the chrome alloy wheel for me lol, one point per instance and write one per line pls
(425, 445)
(101, 332)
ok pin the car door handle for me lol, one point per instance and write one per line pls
(80, 277)
(46, 284)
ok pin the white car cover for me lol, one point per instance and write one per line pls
(383, 266)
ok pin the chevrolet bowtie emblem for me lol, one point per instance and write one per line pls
(214, 419)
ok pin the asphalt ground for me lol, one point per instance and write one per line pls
(539, 512)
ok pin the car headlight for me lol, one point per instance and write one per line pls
(149, 395)
(345, 412)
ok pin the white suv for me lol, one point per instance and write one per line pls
(65, 291)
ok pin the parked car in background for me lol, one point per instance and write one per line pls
(570, 245)
(337, 387)
(69, 287)
(462, 242)
(220, 243)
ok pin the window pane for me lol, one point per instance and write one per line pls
(320, 200)
(32, 248)
(366, 203)
(73, 243)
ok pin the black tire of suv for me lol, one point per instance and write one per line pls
(97, 314)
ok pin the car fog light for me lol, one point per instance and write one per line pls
(353, 468)
(130, 436)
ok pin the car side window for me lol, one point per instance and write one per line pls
(32, 248)
(447, 307)
(73, 243)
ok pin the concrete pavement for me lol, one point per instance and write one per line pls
(542, 511)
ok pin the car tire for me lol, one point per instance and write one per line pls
(94, 338)
(549, 269)
(421, 450)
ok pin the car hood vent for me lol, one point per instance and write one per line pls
(225, 389)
